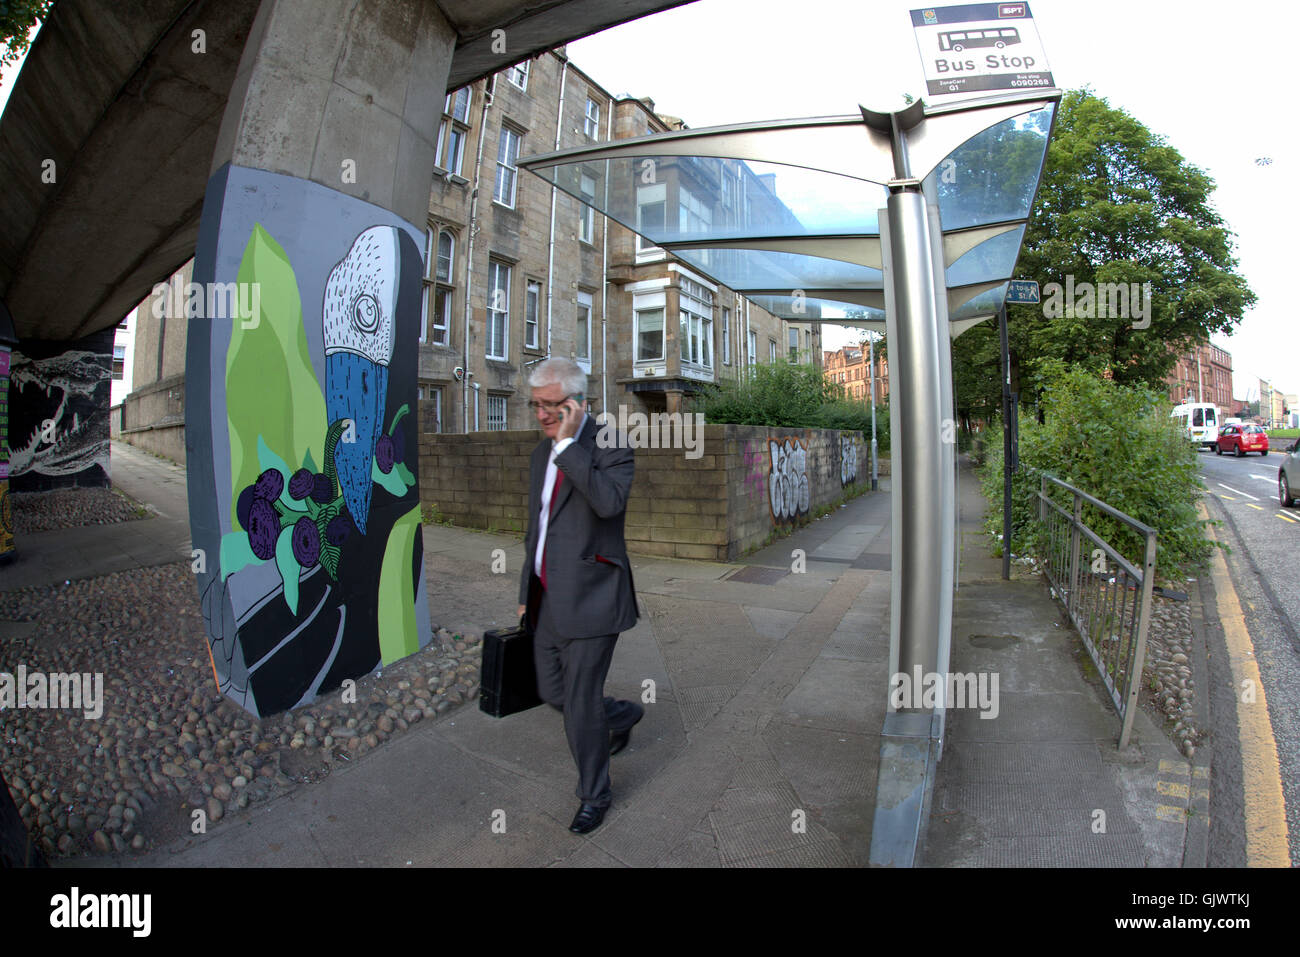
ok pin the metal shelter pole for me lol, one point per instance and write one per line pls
(1006, 445)
(871, 364)
(916, 406)
(910, 737)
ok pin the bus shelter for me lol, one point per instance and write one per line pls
(911, 222)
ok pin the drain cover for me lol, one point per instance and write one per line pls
(759, 575)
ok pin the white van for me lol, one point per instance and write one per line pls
(1200, 421)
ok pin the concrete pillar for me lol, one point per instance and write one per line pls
(674, 399)
(301, 419)
(344, 94)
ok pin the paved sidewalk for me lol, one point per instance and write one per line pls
(761, 745)
(1043, 784)
(89, 551)
(759, 748)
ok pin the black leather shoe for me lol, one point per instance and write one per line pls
(587, 819)
(618, 739)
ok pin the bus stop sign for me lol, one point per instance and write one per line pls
(979, 48)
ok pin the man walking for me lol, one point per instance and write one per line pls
(576, 587)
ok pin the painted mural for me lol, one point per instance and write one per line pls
(58, 413)
(308, 470)
(788, 490)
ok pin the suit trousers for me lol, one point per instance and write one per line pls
(571, 676)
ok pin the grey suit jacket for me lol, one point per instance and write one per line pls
(589, 579)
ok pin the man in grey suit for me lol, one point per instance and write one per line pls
(576, 587)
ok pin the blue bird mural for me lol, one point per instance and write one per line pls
(358, 316)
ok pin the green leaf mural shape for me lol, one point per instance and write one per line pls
(236, 553)
(393, 481)
(272, 394)
(288, 566)
(397, 632)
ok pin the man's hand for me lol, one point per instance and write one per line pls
(570, 416)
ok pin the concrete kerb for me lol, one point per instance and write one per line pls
(1197, 847)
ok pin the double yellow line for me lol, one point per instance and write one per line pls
(1261, 775)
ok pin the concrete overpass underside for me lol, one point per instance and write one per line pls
(107, 142)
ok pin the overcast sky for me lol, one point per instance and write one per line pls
(1211, 78)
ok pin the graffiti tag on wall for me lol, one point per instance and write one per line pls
(756, 471)
(788, 490)
(848, 460)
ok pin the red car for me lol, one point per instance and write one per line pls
(1240, 439)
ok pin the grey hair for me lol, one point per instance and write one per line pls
(567, 373)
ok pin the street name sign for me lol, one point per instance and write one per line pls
(1022, 291)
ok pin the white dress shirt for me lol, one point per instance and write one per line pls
(548, 486)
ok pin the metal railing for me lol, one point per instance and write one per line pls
(1105, 595)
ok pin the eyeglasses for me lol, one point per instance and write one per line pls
(534, 405)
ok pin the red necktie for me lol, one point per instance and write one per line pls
(559, 477)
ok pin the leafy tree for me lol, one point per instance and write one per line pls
(1116, 204)
(976, 381)
(789, 395)
(1090, 425)
(17, 17)
(775, 393)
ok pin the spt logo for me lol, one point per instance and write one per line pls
(929, 16)
(1011, 10)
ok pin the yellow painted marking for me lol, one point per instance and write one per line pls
(1228, 498)
(1287, 517)
(1265, 810)
(1201, 794)
(1179, 768)
(1166, 813)
(1202, 774)
(1173, 789)
(1258, 508)
(212, 661)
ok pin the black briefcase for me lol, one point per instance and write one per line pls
(509, 682)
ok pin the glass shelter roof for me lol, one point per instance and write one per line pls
(787, 212)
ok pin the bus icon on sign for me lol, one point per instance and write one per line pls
(958, 40)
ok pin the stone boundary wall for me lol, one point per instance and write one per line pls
(478, 479)
(153, 418)
(742, 482)
(780, 476)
